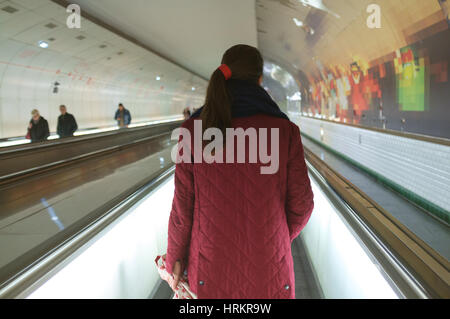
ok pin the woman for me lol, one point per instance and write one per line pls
(231, 227)
(38, 130)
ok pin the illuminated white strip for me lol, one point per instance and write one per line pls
(21, 141)
(120, 261)
(341, 264)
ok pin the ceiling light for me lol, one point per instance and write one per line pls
(297, 96)
(318, 4)
(193, 88)
(158, 78)
(298, 22)
(43, 44)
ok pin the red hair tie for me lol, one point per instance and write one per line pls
(226, 71)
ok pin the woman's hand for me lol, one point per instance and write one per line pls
(176, 275)
(30, 126)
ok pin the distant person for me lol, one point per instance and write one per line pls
(186, 113)
(67, 125)
(123, 116)
(38, 128)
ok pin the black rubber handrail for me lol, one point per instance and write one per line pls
(31, 160)
(418, 272)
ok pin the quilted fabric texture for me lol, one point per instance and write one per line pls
(232, 227)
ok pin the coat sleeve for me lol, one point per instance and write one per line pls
(299, 199)
(74, 124)
(58, 127)
(46, 132)
(181, 215)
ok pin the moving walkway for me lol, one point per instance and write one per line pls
(104, 219)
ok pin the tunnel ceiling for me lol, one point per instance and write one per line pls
(340, 31)
(193, 34)
(89, 69)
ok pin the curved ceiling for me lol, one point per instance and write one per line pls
(90, 70)
(194, 34)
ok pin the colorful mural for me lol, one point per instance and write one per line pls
(410, 76)
(408, 90)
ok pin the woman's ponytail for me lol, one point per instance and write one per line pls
(217, 110)
(240, 62)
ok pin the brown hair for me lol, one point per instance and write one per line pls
(246, 63)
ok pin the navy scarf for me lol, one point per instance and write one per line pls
(248, 99)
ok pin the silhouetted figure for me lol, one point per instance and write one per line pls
(123, 116)
(67, 125)
(186, 113)
(38, 128)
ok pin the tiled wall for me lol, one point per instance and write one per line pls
(95, 68)
(418, 166)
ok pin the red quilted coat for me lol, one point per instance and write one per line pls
(232, 227)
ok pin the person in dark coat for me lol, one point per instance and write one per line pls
(123, 116)
(186, 113)
(233, 221)
(67, 125)
(38, 128)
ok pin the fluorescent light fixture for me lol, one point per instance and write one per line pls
(193, 88)
(297, 96)
(43, 44)
(158, 78)
(297, 22)
(318, 4)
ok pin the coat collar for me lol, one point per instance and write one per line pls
(249, 99)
